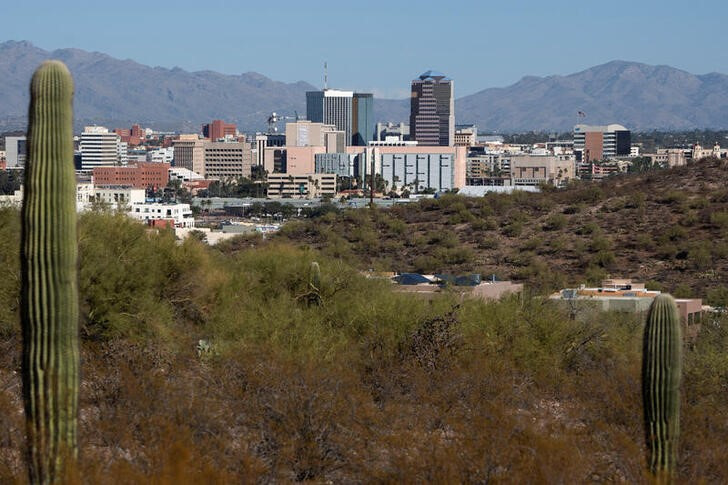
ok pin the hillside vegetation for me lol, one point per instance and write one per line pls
(666, 227)
(371, 385)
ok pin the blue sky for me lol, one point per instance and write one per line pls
(378, 45)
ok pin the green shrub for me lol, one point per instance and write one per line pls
(513, 229)
(555, 222)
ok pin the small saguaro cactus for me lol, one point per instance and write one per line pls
(49, 297)
(661, 373)
(314, 284)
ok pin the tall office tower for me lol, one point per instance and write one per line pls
(601, 142)
(432, 110)
(350, 112)
(362, 119)
(331, 107)
(101, 148)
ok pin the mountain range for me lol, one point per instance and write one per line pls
(118, 92)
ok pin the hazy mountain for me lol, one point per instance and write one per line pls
(118, 92)
(639, 96)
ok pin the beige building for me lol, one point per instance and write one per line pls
(189, 153)
(302, 160)
(537, 169)
(669, 157)
(623, 295)
(304, 133)
(717, 152)
(301, 186)
(465, 136)
(228, 159)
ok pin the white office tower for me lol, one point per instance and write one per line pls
(101, 148)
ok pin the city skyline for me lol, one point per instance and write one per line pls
(503, 43)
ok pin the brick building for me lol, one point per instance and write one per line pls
(139, 175)
(218, 129)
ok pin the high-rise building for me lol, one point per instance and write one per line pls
(432, 110)
(101, 148)
(350, 112)
(601, 142)
(15, 151)
(189, 153)
(362, 119)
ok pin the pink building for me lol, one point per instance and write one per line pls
(301, 160)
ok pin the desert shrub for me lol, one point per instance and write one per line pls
(444, 238)
(673, 197)
(603, 259)
(644, 242)
(718, 296)
(719, 219)
(449, 256)
(600, 243)
(512, 229)
(666, 251)
(697, 202)
(683, 290)
(636, 200)
(487, 243)
(10, 262)
(689, 219)
(588, 228)
(595, 274)
(700, 257)
(588, 194)
(555, 222)
(532, 243)
(673, 233)
(654, 285)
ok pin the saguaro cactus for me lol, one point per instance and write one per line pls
(661, 373)
(314, 284)
(49, 298)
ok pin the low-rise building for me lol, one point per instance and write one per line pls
(303, 186)
(465, 135)
(538, 169)
(626, 296)
(139, 175)
(180, 214)
(466, 286)
(225, 160)
(117, 197)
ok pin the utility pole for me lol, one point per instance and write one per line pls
(371, 188)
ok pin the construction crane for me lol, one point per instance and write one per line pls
(274, 118)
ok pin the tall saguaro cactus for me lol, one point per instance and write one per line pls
(49, 298)
(661, 374)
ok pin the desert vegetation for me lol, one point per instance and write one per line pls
(204, 364)
(667, 226)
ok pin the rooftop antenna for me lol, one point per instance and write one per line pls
(326, 76)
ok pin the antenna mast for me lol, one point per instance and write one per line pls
(326, 76)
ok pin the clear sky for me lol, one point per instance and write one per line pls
(380, 46)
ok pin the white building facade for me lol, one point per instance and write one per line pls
(101, 148)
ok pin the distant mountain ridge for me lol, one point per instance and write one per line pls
(118, 92)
